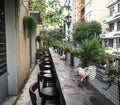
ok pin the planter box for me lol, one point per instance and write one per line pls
(68, 57)
(61, 51)
(71, 59)
(76, 61)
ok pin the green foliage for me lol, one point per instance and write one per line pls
(39, 53)
(67, 46)
(92, 50)
(68, 7)
(54, 15)
(38, 38)
(86, 30)
(38, 5)
(75, 51)
(94, 28)
(112, 73)
(30, 25)
(57, 43)
(80, 32)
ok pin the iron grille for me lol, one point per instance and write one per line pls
(3, 66)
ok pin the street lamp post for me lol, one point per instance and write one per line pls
(68, 22)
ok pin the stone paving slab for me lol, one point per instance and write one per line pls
(10, 100)
(24, 98)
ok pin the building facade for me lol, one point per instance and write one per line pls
(14, 48)
(96, 10)
(111, 38)
(78, 11)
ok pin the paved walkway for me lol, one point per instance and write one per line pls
(24, 98)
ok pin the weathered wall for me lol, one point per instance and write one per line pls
(23, 49)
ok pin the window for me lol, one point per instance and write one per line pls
(111, 11)
(118, 43)
(118, 26)
(105, 42)
(119, 7)
(111, 27)
(110, 43)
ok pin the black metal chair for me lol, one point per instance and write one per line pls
(48, 93)
(47, 78)
(32, 93)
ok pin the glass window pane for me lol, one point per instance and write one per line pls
(111, 11)
(111, 27)
(118, 26)
(110, 43)
(118, 7)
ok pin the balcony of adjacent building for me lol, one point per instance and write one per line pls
(111, 2)
(113, 17)
(111, 39)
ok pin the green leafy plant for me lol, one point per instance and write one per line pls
(75, 51)
(38, 39)
(30, 25)
(39, 52)
(92, 50)
(86, 30)
(112, 72)
(67, 46)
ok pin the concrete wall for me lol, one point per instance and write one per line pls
(96, 10)
(3, 87)
(18, 52)
(22, 48)
(11, 46)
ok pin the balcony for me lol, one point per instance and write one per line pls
(116, 16)
(112, 34)
(111, 2)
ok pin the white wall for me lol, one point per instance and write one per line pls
(11, 46)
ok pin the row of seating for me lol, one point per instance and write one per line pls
(46, 82)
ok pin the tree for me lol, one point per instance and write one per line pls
(86, 30)
(94, 28)
(80, 32)
(51, 11)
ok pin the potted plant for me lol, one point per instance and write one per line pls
(92, 50)
(76, 56)
(38, 39)
(30, 25)
(39, 52)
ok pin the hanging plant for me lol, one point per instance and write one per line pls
(30, 25)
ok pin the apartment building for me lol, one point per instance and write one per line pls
(111, 38)
(78, 10)
(96, 10)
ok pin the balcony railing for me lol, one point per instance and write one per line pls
(115, 16)
(111, 2)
